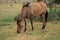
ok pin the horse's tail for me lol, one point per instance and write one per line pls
(46, 16)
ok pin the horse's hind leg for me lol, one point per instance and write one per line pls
(31, 23)
(44, 18)
(25, 25)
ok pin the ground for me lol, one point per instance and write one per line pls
(52, 32)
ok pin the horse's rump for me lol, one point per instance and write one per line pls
(38, 8)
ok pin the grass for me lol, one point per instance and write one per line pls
(8, 12)
(8, 26)
(52, 32)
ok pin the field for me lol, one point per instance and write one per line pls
(8, 26)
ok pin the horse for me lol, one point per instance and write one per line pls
(31, 10)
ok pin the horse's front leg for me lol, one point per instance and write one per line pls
(31, 23)
(25, 25)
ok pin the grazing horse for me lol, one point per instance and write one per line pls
(31, 10)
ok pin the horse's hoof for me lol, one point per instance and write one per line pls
(25, 30)
(18, 32)
(43, 27)
(32, 29)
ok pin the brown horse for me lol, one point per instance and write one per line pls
(31, 10)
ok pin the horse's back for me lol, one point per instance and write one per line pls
(40, 5)
(33, 9)
(37, 8)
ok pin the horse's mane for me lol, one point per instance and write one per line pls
(26, 5)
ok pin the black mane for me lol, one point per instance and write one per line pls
(26, 5)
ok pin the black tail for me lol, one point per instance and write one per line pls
(46, 16)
